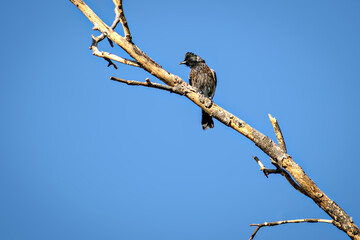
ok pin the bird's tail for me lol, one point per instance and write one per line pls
(206, 120)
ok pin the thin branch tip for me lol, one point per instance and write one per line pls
(150, 84)
(262, 167)
(270, 224)
(271, 117)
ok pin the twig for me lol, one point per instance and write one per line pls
(119, 17)
(266, 171)
(254, 233)
(278, 133)
(269, 224)
(119, 11)
(113, 57)
(282, 145)
(148, 83)
(110, 63)
(113, 26)
(281, 171)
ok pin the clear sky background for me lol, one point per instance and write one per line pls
(83, 157)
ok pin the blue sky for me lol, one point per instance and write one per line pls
(83, 157)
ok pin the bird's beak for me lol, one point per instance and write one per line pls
(183, 62)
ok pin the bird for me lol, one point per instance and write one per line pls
(204, 79)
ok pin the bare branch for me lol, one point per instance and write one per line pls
(269, 224)
(119, 11)
(119, 17)
(113, 25)
(148, 83)
(113, 57)
(278, 170)
(278, 133)
(341, 219)
(254, 233)
(281, 141)
(267, 171)
(262, 167)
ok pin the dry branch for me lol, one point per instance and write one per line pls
(148, 83)
(278, 154)
(270, 224)
(121, 16)
(281, 171)
(278, 133)
(113, 57)
(278, 169)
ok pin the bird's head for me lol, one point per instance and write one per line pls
(191, 59)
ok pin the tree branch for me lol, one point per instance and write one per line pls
(278, 133)
(119, 17)
(270, 224)
(147, 83)
(279, 155)
(119, 11)
(278, 169)
(265, 170)
(110, 56)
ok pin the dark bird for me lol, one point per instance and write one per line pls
(204, 79)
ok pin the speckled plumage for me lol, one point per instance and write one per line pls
(204, 79)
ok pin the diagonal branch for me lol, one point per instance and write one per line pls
(341, 219)
(270, 224)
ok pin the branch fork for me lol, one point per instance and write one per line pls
(279, 169)
(109, 57)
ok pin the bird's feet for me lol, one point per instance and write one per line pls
(204, 100)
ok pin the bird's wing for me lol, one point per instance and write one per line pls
(191, 76)
(214, 76)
